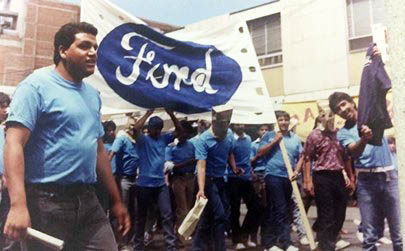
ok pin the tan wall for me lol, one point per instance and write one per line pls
(356, 62)
(19, 56)
(274, 81)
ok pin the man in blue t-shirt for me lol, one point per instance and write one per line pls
(54, 151)
(241, 187)
(182, 175)
(278, 185)
(150, 184)
(214, 152)
(377, 178)
(123, 150)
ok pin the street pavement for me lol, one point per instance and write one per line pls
(351, 214)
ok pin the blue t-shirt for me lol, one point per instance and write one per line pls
(372, 156)
(215, 152)
(261, 162)
(2, 141)
(151, 154)
(127, 159)
(275, 163)
(180, 153)
(107, 147)
(64, 120)
(242, 151)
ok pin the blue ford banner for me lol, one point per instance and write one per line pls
(150, 70)
(189, 70)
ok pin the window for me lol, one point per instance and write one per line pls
(266, 36)
(361, 15)
(8, 16)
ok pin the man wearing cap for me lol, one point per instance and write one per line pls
(213, 152)
(150, 184)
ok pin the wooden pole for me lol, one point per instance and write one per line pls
(395, 20)
(296, 191)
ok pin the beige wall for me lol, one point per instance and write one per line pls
(356, 62)
(274, 81)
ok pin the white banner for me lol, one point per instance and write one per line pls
(190, 70)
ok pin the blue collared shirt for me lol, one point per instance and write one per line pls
(275, 163)
(127, 159)
(372, 156)
(180, 153)
(215, 152)
(242, 151)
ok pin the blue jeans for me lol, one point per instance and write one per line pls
(70, 213)
(211, 227)
(378, 196)
(146, 197)
(277, 215)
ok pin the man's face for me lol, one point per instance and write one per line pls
(283, 123)
(110, 133)
(262, 130)
(239, 128)
(3, 112)
(154, 132)
(346, 110)
(220, 123)
(80, 58)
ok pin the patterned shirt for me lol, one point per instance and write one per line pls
(324, 150)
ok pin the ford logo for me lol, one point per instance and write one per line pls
(150, 70)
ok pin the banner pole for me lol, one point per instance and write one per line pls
(296, 191)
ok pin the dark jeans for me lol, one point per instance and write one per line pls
(146, 197)
(70, 213)
(127, 189)
(211, 227)
(277, 216)
(243, 189)
(331, 201)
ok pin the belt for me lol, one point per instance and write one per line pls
(184, 174)
(71, 189)
(380, 169)
(127, 176)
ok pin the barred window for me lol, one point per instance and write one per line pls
(361, 15)
(266, 37)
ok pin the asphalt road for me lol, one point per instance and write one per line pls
(349, 225)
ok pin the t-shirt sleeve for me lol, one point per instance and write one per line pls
(26, 106)
(168, 153)
(117, 145)
(201, 150)
(168, 138)
(345, 138)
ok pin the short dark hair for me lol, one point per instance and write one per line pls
(155, 122)
(4, 99)
(282, 114)
(186, 126)
(65, 36)
(336, 97)
(109, 125)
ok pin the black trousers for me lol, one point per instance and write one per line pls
(331, 200)
(243, 189)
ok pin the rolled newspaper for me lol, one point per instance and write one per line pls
(47, 240)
